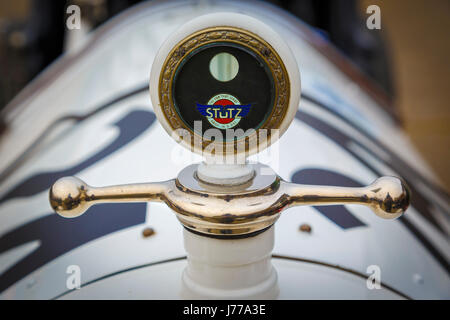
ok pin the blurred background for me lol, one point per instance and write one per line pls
(407, 58)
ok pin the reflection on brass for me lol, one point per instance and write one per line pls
(70, 197)
(225, 35)
(238, 211)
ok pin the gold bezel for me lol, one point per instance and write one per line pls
(234, 35)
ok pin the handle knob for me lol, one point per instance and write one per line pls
(70, 197)
(388, 196)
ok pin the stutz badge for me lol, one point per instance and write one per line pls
(224, 111)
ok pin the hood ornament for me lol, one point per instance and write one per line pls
(227, 92)
(225, 196)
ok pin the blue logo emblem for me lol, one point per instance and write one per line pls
(224, 111)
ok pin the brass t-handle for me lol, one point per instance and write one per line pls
(226, 211)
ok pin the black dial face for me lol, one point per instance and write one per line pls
(225, 86)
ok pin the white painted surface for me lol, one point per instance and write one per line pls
(229, 269)
(225, 174)
(297, 280)
(119, 62)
